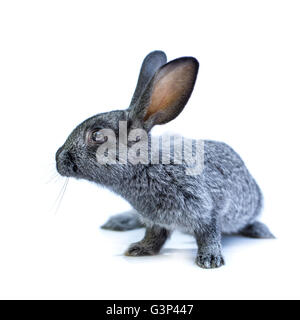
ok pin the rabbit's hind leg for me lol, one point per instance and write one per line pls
(257, 230)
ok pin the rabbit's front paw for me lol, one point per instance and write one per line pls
(139, 249)
(210, 260)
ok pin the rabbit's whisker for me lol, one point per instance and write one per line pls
(60, 196)
(53, 178)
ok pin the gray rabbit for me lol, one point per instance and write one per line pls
(222, 198)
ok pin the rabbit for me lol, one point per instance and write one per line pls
(222, 199)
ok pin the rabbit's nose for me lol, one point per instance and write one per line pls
(58, 152)
(65, 162)
(63, 155)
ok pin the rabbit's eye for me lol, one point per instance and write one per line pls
(98, 137)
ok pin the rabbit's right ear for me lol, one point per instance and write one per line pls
(152, 62)
(166, 94)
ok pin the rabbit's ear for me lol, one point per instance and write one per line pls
(152, 62)
(166, 94)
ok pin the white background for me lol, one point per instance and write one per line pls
(63, 61)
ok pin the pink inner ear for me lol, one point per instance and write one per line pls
(169, 88)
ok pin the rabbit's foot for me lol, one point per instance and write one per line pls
(210, 260)
(123, 222)
(140, 249)
(154, 239)
(257, 230)
(209, 248)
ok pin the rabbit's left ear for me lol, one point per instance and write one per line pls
(152, 62)
(166, 94)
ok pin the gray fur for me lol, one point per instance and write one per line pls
(124, 222)
(257, 230)
(153, 241)
(224, 198)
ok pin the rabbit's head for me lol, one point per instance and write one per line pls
(162, 91)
